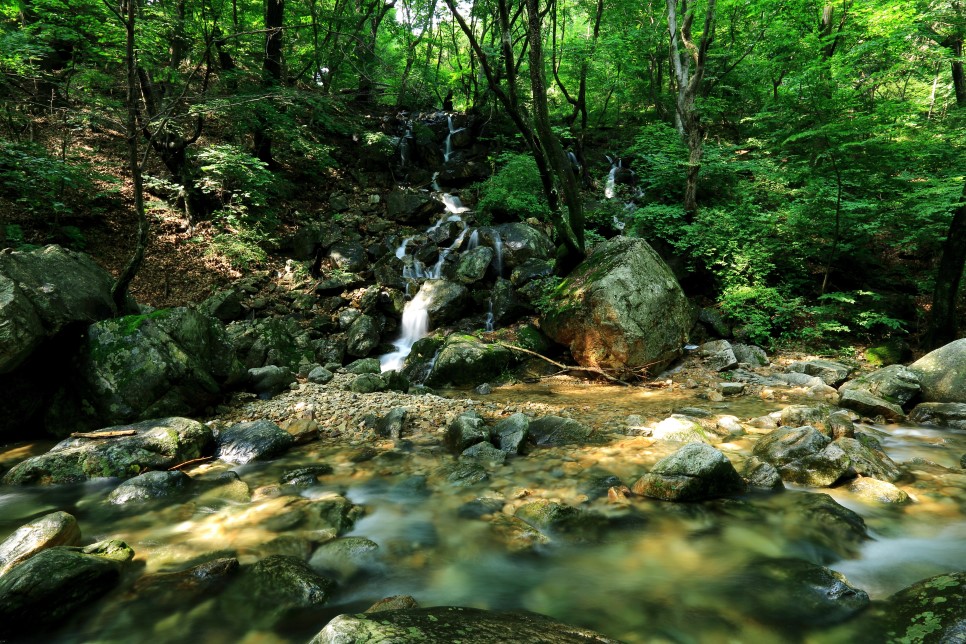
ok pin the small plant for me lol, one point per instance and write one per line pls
(514, 191)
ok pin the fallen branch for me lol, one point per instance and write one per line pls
(566, 368)
(191, 462)
(115, 434)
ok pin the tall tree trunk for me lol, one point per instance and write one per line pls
(272, 74)
(943, 326)
(120, 288)
(959, 79)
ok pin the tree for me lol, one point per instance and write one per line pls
(943, 325)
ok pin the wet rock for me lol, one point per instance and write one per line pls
(840, 425)
(368, 383)
(450, 624)
(718, 355)
(803, 455)
(530, 270)
(549, 431)
(363, 336)
(54, 529)
(940, 414)
(364, 365)
(258, 440)
(150, 485)
(931, 610)
(411, 207)
(465, 474)
(825, 523)
(731, 388)
(225, 305)
(520, 243)
(202, 581)
(793, 591)
(156, 445)
(942, 373)
(681, 429)
(749, 354)
(762, 475)
(465, 430)
(391, 425)
(870, 489)
(505, 304)
(50, 586)
(445, 301)
(333, 512)
(396, 602)
(620, 309)
(868, 405)
(278, 584)
(396, 381)
(801, 415)
(865, 461)
(511, 433)
(484, 390)
(831, 373)
(480, 507)
(305, 476)
(693, 473)
(728, 427)
(278, 341)
(558, 519)
(484, 454)
(269, 381)
(465, 360)
(895, 384)
(349, 256)
(227, 486)
(472, 264)
(345, 558)
(302, 430)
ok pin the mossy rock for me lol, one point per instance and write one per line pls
(466, 360)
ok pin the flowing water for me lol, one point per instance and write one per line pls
(658, 572)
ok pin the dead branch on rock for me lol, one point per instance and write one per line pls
(114, 434)
(191, 462)
(566, 368)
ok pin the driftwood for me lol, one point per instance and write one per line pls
(115, 434)
(566, 368)
(191, 462)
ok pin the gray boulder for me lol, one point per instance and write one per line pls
(150, 485)
(831, 373)
(445, 301)
(272, 341)
(942, 373)
(874, 490)
(451, 624)
(278, 584)
(391, 425)
(172, 362)
(258, 440)
(750, 354)
(511, 433)
(865, 461)
(693, 473)
(472, 264)
(155, 445)
(530, 270)
(552, 431)
(270, 380)
(483, 454)
(50, 530)
(465, 430)
(43, 291)
(861, 401)
(681, 429)
(621, 309)
(344, 558)
(762, 475)
(718, 355)
(931, 610)
(50, 586)
(505, 305)
(520, 243)
(803, 455)
(363, 336)
(225, 305)
(560, 520)
(320, 376)
(411, 206)
(465, 360)
(940, 414)
(349, 256)
(364, 365)
(895, 384)
(368, 383)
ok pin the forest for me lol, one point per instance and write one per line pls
(482, 320)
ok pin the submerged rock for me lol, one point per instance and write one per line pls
(258, 440)
(621, 309)
(693, 473)
(931, 610)
(465, 430)
(54, 529)
(559, 519)
(278, 584)
(150, 485)
(549, 431)
(448, 624)
(344, 558)
(155, 445)
(870, 489)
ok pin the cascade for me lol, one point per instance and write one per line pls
(448, 146)
(415, 325)
(498, 253)
(404, 148)
(610, 188)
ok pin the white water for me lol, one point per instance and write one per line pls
(498, 253)
(448, 149)
(452, 204)
(610, 188)
(415, 326)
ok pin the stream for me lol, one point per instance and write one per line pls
(659, 572)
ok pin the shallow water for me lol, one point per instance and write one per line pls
(655, 572)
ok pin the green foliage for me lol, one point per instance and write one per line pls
(546, 288)
(514, 191)
(240, 182)
(242, 248)
(762, 313)
(40, 183)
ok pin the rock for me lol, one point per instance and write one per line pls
(391, 425)
(693, 473)
(411, 207)
(731, 388)
(942, 373)
(396, 602)
(483, 390)
(278, 584)
(396, 381)
(270, 380)
(484, 454)
(511, 433)
(443, 624)
(465, 360)
(551, 431)
(305, 476)
(793, 591)
(349, 256)
(47, 588)
(364, 365)
(169, 362)
(201, 581)
(681, 429)
(445, 301)
(368, 383)
(54, 529)
(320, 376)
(870, 489)
(824, 523)
(560, 520)
(749, 354)
(803, 455)
(276, 341)
(530, 270)
(302, 430)
(332, 512)
(344, 558)
(227, 486)
(225, 306)
(801, 415)
(150, 485)
(840, 425)
(895, 384)
(718, 355)
(516, 536)
(363, 336)
(43, 291)
(506, 306)
(762, 475)
(889, 353)
(465, 430)
(472, 264)
(621, 309)
(520, 242)
(728, 427)
(258, 440)
(465, 474)
(156, 445)
(831, 373)
(866, 404)
(940, 414)
(864, 461)
(931, 610)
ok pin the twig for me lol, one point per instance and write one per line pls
(191, 462)
(566, 368)
(115, 434)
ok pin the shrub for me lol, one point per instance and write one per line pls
(514, 191)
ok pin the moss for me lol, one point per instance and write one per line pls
(129, 324)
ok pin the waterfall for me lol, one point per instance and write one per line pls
(448, 146)
(489, 315)
(404, 151)
(415, 325)
(401, 251)
(452, 204)
(474, 240)
(498, 253)
(610, 188)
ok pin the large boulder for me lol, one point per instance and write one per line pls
(453, 624)
(895, 384)
(517, 242)
(942, 373)
(940, 414)
(472, 264)
(411, 206)
(621, 309)
(363, 336)
(831, 373)
(173, 362)
(803, 455)
(444, 300)
(257, 440)
(42, 292)
(867, 404)
(931, 610)
(272, 341)
(693, 473)
(465, 360)
(50, 530)
(154, 445)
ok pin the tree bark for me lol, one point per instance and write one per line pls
(943, 326)
(272, 74)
